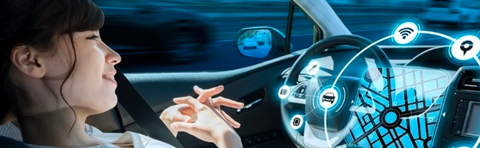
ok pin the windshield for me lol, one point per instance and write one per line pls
(191, 36)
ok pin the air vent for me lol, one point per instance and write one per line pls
(470, 81)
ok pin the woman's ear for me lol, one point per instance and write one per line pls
(28, 60)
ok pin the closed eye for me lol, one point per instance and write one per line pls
(93, 37)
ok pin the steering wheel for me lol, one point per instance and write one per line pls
(316, 88)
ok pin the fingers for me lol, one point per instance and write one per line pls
(178, 113)
(182, 126)
(175, 117)
(197, 90)
(230, 120)
(186, 110)
(204, 95)
(180, 118)
(192, 102)
(221, 101)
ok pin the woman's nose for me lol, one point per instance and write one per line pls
(112, 56)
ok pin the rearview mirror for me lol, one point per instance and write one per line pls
(259, 42)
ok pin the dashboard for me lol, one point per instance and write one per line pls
(408, 105)
(459, 126)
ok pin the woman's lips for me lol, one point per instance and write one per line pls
(110, 78)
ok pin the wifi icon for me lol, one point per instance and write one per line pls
(405, 32)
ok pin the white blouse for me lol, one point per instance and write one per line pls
(127, 139)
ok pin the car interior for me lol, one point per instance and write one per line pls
(372, 103)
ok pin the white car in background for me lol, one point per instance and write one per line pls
(455, 12)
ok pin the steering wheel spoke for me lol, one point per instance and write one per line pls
(298, 94)
(296, 100)
(315, 137)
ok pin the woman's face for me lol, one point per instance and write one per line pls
(91, 87)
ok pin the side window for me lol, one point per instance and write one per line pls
(196, 36)
(302, 31)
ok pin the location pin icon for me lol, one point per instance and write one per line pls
(466, 46)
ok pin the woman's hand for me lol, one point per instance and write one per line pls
(219, 101)
(185, 113)
(177, 113)
(209, 126)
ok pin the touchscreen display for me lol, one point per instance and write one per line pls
(473, 116)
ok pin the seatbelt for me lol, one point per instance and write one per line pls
(6, 142)
(141, 112)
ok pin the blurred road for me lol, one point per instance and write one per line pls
(223, 56)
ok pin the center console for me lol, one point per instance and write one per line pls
(460, 122)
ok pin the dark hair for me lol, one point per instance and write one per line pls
(38, 23)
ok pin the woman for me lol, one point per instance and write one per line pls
(55, 71)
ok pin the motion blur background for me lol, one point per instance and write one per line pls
(200, 32)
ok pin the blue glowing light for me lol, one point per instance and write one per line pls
(321, 92)
(459, 58)
(283, 92)
(296, 122)
(462, 144)
(406, 91)
(391, 117)
(406, 31)
(465, 48)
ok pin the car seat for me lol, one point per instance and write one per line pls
(10, 136)
(10, 130)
